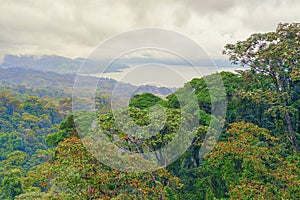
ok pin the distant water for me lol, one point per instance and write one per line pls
(162, 75)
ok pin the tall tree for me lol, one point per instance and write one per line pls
(11, 184)
(275, 54)
(248, 166)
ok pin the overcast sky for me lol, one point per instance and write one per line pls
(73, 28)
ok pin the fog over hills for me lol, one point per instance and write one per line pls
(52, 63)
(38, 79)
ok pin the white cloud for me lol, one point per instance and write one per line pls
(74, 28)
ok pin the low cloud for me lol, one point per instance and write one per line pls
(75, 28)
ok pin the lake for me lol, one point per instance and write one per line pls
(161, 75)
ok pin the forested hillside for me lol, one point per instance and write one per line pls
(53, 63)
(63, 83)
(257, 155)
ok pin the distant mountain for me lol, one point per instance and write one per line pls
(34, 78)
(55, 63)
(52, 80)
(60, 64)
(44, 63)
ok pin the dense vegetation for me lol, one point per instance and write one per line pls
(257, 155)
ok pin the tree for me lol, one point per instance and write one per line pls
(275, 54)
(248, 166)
(66, 129)
(145, 100)
(75, 173)
(11, 184)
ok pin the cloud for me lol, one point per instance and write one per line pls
(74, 28)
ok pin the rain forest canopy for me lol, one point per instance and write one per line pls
(256, 157)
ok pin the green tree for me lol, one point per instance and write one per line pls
(275, 54)
(248, 166)
(66, 129)
(11, 184)
(145, 100)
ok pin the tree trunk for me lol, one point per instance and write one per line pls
(292, 137)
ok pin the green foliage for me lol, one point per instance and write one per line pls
(256, 156)
(275, 55)
(75, 173)
(145, 100)
(66, 129)
(248, 165)
(24, 121)
(11, 184)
